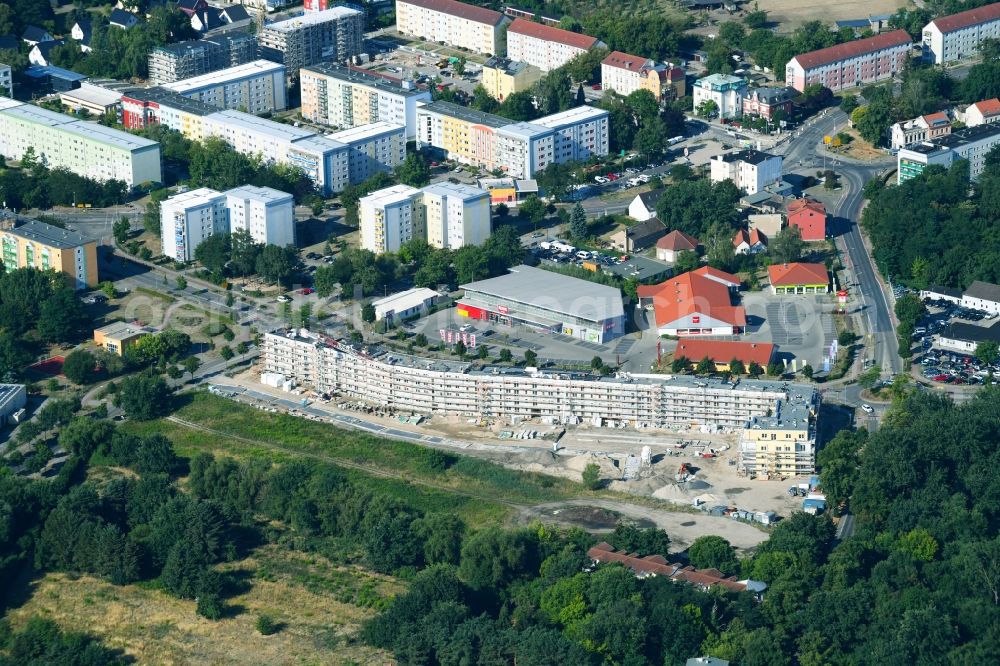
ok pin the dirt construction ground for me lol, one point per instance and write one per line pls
(789, 14)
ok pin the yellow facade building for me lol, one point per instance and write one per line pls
(38, 245)
(503, 77)
(119, 336)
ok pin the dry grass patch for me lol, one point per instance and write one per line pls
(301, 591)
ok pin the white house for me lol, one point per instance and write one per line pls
(268, 214)
(643, 206)
(982, 113)
(751, 170)
(726, 91)
(982, 296)
(405, 304)
(81, 32)
(955, 37)
(122, 19)
(920, 129)
(544, 46)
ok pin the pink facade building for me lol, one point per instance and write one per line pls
(853, 64)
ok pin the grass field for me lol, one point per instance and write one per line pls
(319, 605)
(430, 479)
(789, 14)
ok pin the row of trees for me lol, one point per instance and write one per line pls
(35, 185)
(236, 254)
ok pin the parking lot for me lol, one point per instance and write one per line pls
(947, 366)
(802, 327)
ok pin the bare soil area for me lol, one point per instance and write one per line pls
(789, 14)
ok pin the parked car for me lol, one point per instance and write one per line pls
(283, 299)
(867, 409)
(307, 291)
(600, 179)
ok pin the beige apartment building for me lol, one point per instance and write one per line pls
(502, 77)
(454, 23)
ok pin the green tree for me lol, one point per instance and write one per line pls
(755, 370)
(686, 261)
(867, 379)
(275, 264)
(62, 317)
(226, 352)
(713, 552)
(807, 371)
(787, 245)
(460, 349)
(737, 367)
(214, 252)
(80, 367)
(909, 309)
(530, 357)
(591, 476)
(532, 209)
(705, 366)
(679, 364)
(988, 352)
(120, 230)
(578, 222)
(181, 282)
(368, 313)
(506, 356)
(413, 171)
(143, 397)
(191, 365)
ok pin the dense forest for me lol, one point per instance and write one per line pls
(918, 583)
(929, 230)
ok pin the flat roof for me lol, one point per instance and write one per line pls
(366, 132)
(525, 130)
(199, 197)
(93, 131)
(389, 195)
(507, 65)
(553, 291)
(311, 18)
(750, 156)
(228, 75)
(405, 300)
(968, 135)
(256, 193)
(466, 114)
(465, 192)
(318, 144)
(40, 232)
(342, 73)
(230, 118)
(571, 116)
(38, 71)
(122, 329)
(168, 98)
(91, 94)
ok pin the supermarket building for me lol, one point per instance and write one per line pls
(546, 301)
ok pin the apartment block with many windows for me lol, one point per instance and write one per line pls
(34, 244)
(852, 64)
(755, 410)
(969, 143)
(184, 60)
(456, 24)
(255, 87)
(389, 218)
(331, 35)
(544, 46)
(345, 97)
(85, 148)
(958, 36)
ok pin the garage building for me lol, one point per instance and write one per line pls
(548, 302)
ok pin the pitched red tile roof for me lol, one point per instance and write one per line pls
(657, 565)
(693, 293)
(722, 351)
(936, 118)
(799, 205)
(757, 236)
(741, 237)
(852, 49)
(538, 31)
(965, 19)
(625, 61)
(677, 241)
(787, 275)
(988, 107)
(460, 9)
(725, 278)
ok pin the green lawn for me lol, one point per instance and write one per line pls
(432, 480)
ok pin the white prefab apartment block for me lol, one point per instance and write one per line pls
(314, 37)
(187, 219)
(545, 47)
(958, 36)
(268, 214)
(750, 170)
(455, 215)
(446, 215)
(387, 218)
(6, 80)
(726, 91)
(256, 87)
(851, 64)
(456, 24)
(372, 149)
(344, 97)
(578, 133)
(519, 149)
(85, 148)
(969, 143)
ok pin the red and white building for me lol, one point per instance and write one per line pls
(723, 352)
(695, 303)
(983, 113)
(749, 242)
(625, 73)
(958, 36)
(546, 47)
(920, 129)
(850, 65)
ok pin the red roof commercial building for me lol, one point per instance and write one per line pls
(657, 565)
(798, 278)
(809, 216)
(722, 352)
(695, 303)
(851, 64)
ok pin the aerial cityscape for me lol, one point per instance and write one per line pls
(551, 333)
